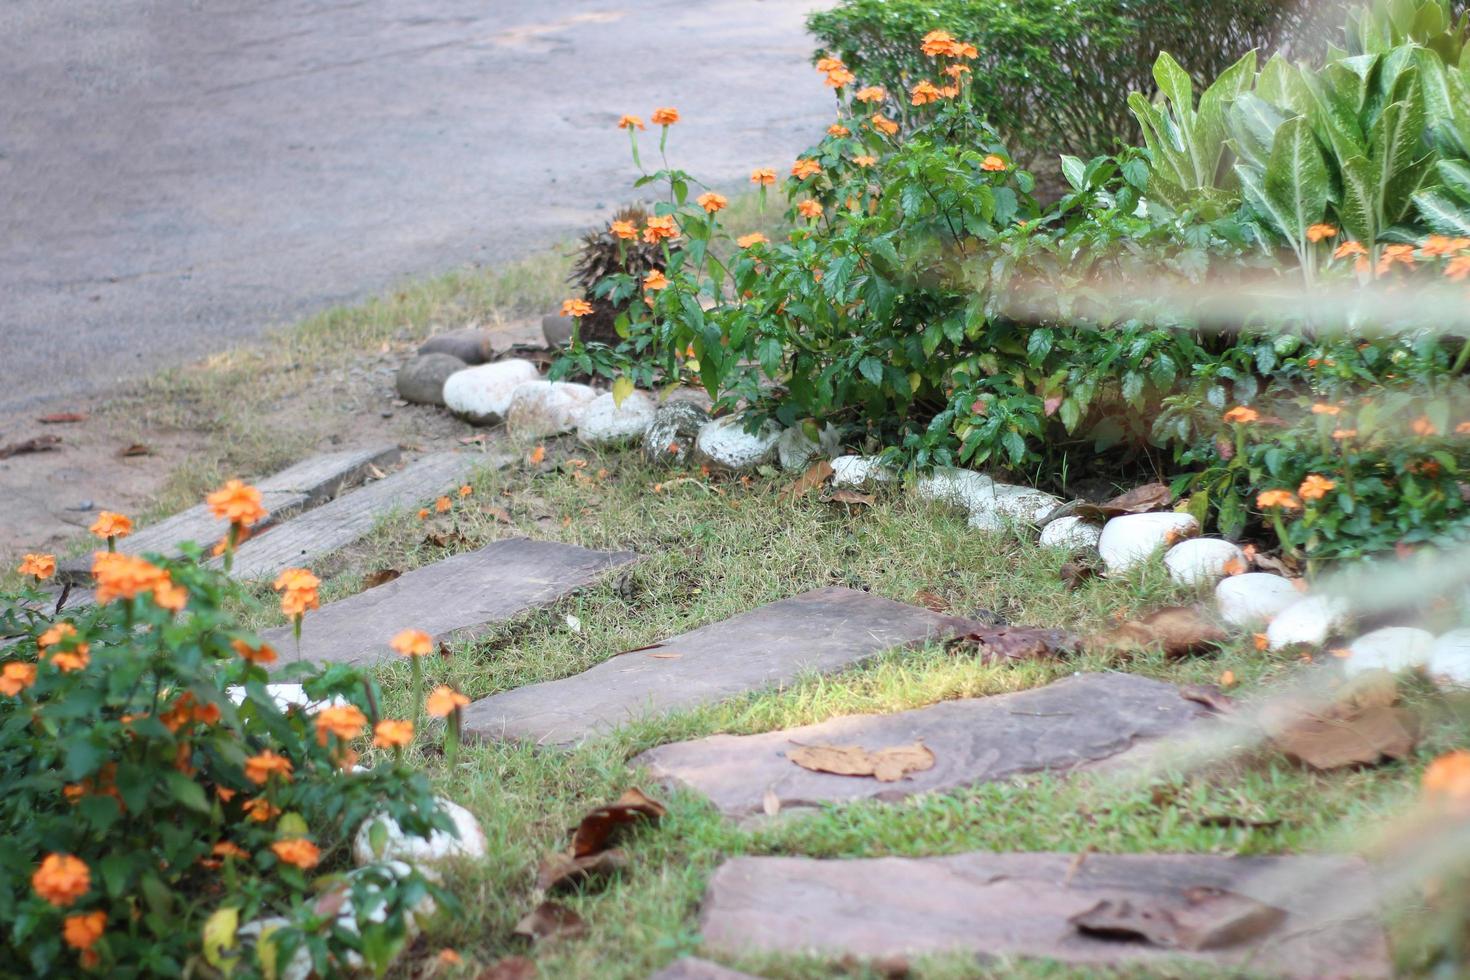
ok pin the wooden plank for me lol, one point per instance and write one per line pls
(452, 599)
(824, 630)
(296, 488)
(334, 525)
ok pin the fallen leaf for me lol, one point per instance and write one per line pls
(1210, 696)
(886, 765)
(1272, 563)
(39, 444)
(551, 921)
(1139, 500)
(850, 497)
(134, 449)
(509, 968)
(1073, 574)
(930, 601)
(61, 418)
(1180, 630)
(666, 656)
(598, 827)
(381, 577)
(816, 474)
(500, 514)
(771, 802)
(1203, 918)
(1339, 735)
(1019, 642)
(1231, 820)
(561, 868)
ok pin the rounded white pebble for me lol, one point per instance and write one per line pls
(1071, 533)
(1248, 600)
(422, 851)
(1129, 541)
(1201, 561)
(1393, 648)
(1310, 620)
(1449, 660)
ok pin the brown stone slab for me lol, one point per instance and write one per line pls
(1019, 905)
(824, 630)
(294, 489)
(350, 517)
(694, 968)
(452, 599)
(1072, 722)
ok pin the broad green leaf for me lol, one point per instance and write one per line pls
(187, 792)
(1357, 208)
(1443, 213)
(1297, 182)
(1175, 84)
(1280, 84)
(621, 389)
(1455, 175)
(219, 935)
(1072, 169)
(1253, 124)
(1394, 152)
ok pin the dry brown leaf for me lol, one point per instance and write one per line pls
(1074, 574)
(816, 474)
(134, 449)
(771, 802)
(598, 827)
(1139, 500)
(381, 577)
(1339, 735)
(1208, 695)
(1019, 642)
(39, 444)
(500, 514)
(509, 968)
(551, 921)
(850, 497)
(886, 765)
(1202, 918)
(1180, 630)
(62, 418)
(931, 601)
(561, 868)
(666, 656)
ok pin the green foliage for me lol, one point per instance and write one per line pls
(601, 254)
(134, 763)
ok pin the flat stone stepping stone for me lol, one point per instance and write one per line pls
(350, 517)
(824, 630)
(294, 489)
(1073, 722)
(694, 968)
(452, 599)
(1019, 905)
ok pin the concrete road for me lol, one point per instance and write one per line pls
(176, 175)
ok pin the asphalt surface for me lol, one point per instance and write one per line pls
(179, 175)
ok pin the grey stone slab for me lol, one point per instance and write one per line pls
(452, 599)
(1070, 723)
(296, 488)
(350, 517)
(824, 630)
(694, 968)
(1019, 905)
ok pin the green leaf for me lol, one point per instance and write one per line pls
(621, 389)
(1455, 175)
(1296, 181)
(1072, 169)
(1358, 209)
(218, 936)
(1443, 213)
(187, 792)
(872, 369)
(1174, 82)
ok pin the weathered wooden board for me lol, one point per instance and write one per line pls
(824, 630)
(451, 599)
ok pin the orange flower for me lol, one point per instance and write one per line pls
(873, 93)
(839, 78)
(1278, 498)
(38, 566)
(71, 660)
(168, 595)
(298, 588)
(711, 201)
(626, 121)
(298, 851)
(1321, 408)
(61, 879)
(1458, 268)
(1463, 429)
(625, 230)
(655, 281)
(16, 677)
(1438, 245)
(809, 209)
(924, 93)
(764, 176)
(829, 63)
(1447, 779)
(839, 130)
(444, 700)
(1242, 415)
(260, 768)
(949, 91)
(1395, 254)
(82, 929)
(1260, 642)
(229, 849)
(660, 227)
(111, 525)
(122, 576)
(345, 721)
(955, 71)
(967, 51)
(423, 513)
(938, 43)
(260, 809)
(804, 168)
(237, 502)
(538, 456)
(1423, 427)
(1349, 248)
(883, 125)
(1227, 679)
(993, 163)
(449, 957)
(466, 490)
(665, 116)
(55, 634)
(1341, 434)
(754, 238)
(576, 307)
(864, 160)
(443, 504)
(1320, 232)
(413, 643)
(392, 734)
(1315, 487)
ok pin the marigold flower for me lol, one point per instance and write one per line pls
(443, 701)
(625, 230)
(229, 849)
(1260, 641)
(1347, 248)
(939, 43)
(169, 595)
(1463, 429)
(923, 93)
(955, 71)
(1394, 255)
(1242, 415)
(345, 721)
(829, 63)
(1341, 434)
(61, 879)
(466, 490)
(809, 209)
(413, 643)
(449, 957)
(1321, 232)
(1458, 268)
(949, 91)
(392, 734)
(1315, 487)
(82, 929)
(838, 130)
(260, 809)
(883, 125)
(864, 160)
(1322, 408)
(15, 677)
(764, 176)
(655, 281)
(1423, 427)
(237, 502)
(839, 78)
(754, 238)
(804, 168)
(38, 566)
(1284, 499)
(423, 513)
(298, 851)
(576, 307)
(55, 634)
(665, 116)
(260, 768)
(1438, 245)
(711, 201)
(111, 525)
(1447, 779)
(873, 93)
(298, 588)
(122, 576)
(660, 227)
(71, 660)
(993, 163)
(626, 121)
(968, 51)
(537, 456)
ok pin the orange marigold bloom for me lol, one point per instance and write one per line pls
(1260, 641)
(229, 849)
(626, 121)
(345, 721)
(1242, 415)
(443, 504)
(537, 456)
(391, 734)
(923, 93)
(111, 525)
(61, 879)
(883, 125)
(443, 701)
(764, 176)
(804, 168)
(1395, 254)
(1341, 434)
(576, 307)
(169, 595)
(82, 929)
(237, 502)
(625, 230)
(1458, 268)
(711, 201)
(1347, 248)
(1423, 427)
(1315, 487)
(829, 63)
(873, 93)
(754, 238)
(263, 654)
(949, 91)
(938, 43)
(1321, 232)
(38, 566)
(955, 71)
(466, 490)
(864, 160)
(260, 768)
(122, 576)
(413, 643)
(298, 851)
(449, 957)
(809, 209)
(55, 634)
(1463, 429)
(71, 660)
(839, 78)
(665, 116)
(839, 130)
(1447, 779)
(1435, 246)
(1322, 408)
(993, 163)
(1284, 499)
(660, 227)
(298, 588)
(260, 809)
(16, 677)
(655, 281)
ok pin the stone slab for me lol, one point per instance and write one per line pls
(452, 599)
(694, 968)
(825, 630)
(350, 517)
(296, 488)
(1073, 722)
(1019, 905)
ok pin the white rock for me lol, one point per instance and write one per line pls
(1449, 659)
(252, 933)
(604, 422)
(796, 451)
(468, 841)
(670, 436)
(546, 408)
(481, 395)
(1202, 561)
(956, 487)
(1018, 503)
(1393, 648)
(1310, 620)
(725, 443)
(1071, 533)
(288, 696)
(1248, 600)
(854, 471)
(350, 919)
(1129, 541)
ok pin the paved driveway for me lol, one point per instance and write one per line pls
(180, 174)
